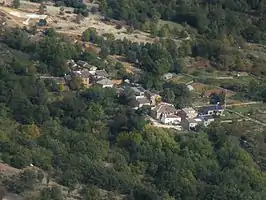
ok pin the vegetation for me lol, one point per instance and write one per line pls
(154, 59)
(214, 30)
(16, 3)
(91, 140)
(213, 18)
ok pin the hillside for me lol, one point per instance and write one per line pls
(212, 18)
(70, 127)
(93, 144)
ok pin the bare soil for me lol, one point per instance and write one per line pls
(66, 23)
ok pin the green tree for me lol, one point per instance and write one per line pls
(16, 3)
(169, 95)
(104, 52)
(53, 193)
(90, 193)
(3, 192)
(217, 98)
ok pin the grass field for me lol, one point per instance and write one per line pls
(230, 116)
(257, 111)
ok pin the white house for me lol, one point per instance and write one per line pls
(211, 110)
(170, 119)
(167, 76)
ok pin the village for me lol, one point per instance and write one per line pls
(200, 78)
(160, 112)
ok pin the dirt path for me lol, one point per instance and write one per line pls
(234, 104)
(230, 120)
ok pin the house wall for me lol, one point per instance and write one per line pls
(166, 120)
(213, 112)
(138, 96)
(107, 86)
(92, 72)
(140, 105)
(189, 125)
(86, 82)
(192, 115)
(193, 125)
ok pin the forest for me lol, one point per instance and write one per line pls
(244, 18)
(91, 141)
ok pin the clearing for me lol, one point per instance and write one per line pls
(67, 23)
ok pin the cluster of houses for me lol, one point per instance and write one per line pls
(167, 114)
(188, 118)
(162, 112)
(88, 75)
(85, 74)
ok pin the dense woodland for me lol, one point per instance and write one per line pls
(91, 140)
(214, 18)
(219, 27)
